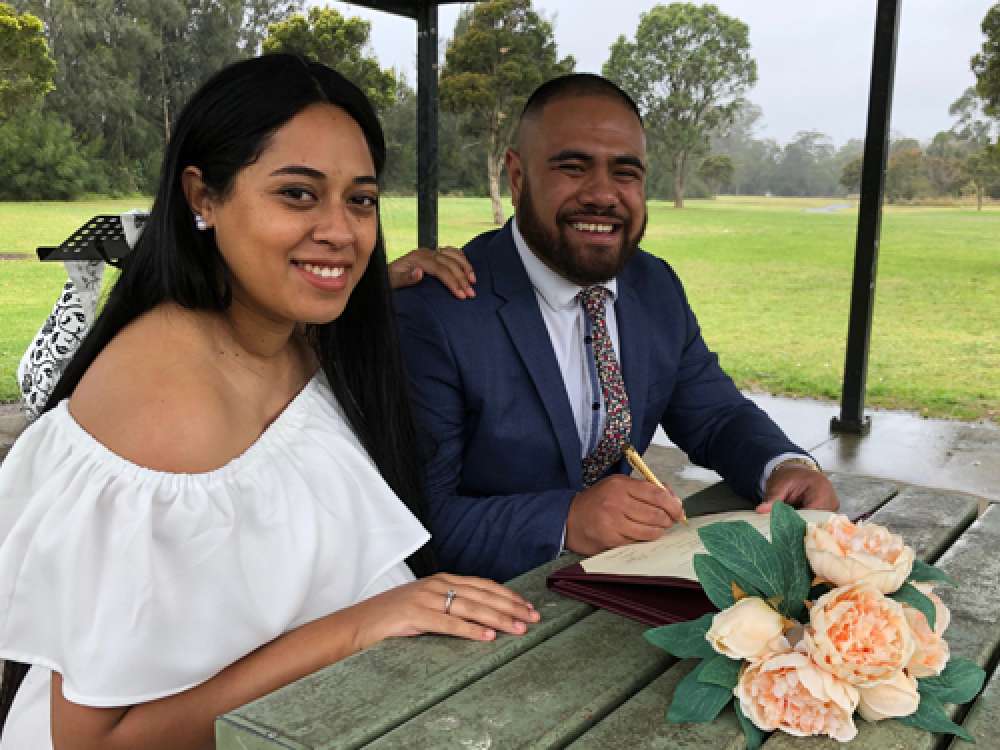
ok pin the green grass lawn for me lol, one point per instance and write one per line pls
(769, 279)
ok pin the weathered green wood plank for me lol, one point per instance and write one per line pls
(861, 495)
(975, 606)
(640, 722)
(858, 496)
(929, 520)
(233, 732)
(389, 683)
(545, 698)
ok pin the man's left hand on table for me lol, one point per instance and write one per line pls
(801, 486)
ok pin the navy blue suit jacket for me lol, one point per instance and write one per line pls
(502, 448)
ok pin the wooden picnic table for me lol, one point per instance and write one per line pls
(585, 678)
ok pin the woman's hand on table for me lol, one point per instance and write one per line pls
(445, 604)
(447, 264)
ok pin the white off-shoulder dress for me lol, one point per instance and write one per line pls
(137, 584)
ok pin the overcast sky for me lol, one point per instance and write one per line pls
(813, 56)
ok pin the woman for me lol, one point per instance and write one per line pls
(221, 495)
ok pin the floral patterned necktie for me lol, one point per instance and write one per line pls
(618, 422)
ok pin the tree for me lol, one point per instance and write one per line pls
(258, 15)
(688, 70)
(40, 160)
(972, 125)
(906, 172)
(807, 166)
(26, 68)
(342, 43)
(501, 51)
(400, 174)
(986, 63)
(970, 146)
(850, 175)
(717, 172)
(983, 170)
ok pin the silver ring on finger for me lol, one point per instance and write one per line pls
(449, 599)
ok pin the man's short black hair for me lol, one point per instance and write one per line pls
(573, 85)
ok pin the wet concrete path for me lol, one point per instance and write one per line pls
(963, 456)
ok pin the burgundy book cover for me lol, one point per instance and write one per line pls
(654, 600)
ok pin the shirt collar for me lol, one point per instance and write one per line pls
(558, 292)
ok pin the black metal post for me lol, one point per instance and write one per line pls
(427, 123)
(852, 418)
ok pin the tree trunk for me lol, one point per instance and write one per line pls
(979, 196)
(493, 166)
(163, 94)
(679, 182)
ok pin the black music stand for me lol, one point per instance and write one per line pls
(101, 238)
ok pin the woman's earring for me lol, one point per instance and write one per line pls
(199, 223)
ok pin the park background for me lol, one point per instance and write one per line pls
(761, 231)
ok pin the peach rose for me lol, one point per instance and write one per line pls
(789, 692)
(746, 630)
(931, 652)
(844, 553)
(859, 634)
(896, 697)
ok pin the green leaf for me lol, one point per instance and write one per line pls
(930, 715)
(751, 732)
(684, 639)
(744, 550)
(718, 580)
(911, 595)
(959, 682)
(788, 531)
(721, 670)
(696, 701)
(924, 572)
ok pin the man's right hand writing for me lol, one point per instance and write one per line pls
(619, 510)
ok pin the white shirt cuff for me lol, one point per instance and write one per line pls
(773, 463)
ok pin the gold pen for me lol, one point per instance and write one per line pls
(635, 460)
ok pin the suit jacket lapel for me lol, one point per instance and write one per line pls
(633, 331)
(526, 328)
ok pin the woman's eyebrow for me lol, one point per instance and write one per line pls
(299, 169)
(303, 171)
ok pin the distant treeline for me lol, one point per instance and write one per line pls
(95, 86)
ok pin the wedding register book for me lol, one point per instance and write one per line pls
(654, 582)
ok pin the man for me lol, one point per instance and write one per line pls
(575, 343)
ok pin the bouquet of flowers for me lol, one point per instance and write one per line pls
(822, 621)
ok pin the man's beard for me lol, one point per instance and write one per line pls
(556, 251)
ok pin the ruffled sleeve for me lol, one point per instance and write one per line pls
(135, 584)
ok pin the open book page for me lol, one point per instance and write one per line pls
(673, 554)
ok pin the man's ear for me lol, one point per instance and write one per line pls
(512, 160)
(198, 195)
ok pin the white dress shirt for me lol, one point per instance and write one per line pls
(566, 323)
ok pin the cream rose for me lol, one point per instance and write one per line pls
(789, 692)
(897, 697)
(859, 635)
(931, 652)
(844, 553)
(746, 630)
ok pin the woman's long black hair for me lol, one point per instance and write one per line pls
(224, 128)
